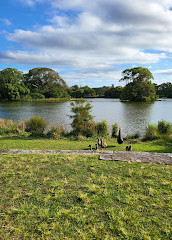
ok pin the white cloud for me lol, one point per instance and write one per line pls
(164, 72)
(102, 34)
(6, 22)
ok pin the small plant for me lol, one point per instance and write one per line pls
(114, 130)
(57, 131)
(81, 116)
(102, 128)
(151, 132)
(80, 137)
(132, 136)
(36, 126)
(164, 127)
(8, 126)
(90, 129)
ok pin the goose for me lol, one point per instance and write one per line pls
(103, 144)
(90, 146)
(119, 138)
(98, 141)
(128, 148)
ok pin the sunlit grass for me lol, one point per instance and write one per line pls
(160, 145)
(80, 197)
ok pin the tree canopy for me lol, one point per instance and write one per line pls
(46, 81)
(139, 86)
(11, 84)
(136, 74)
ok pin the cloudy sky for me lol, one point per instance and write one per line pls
(88, 42)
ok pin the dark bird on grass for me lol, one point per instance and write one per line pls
(97, 146)
(128, 148)
(103, 144)
(119, 138)
(90, 146)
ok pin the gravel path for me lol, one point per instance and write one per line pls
(148, 157)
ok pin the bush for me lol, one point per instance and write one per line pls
(114, 130)
(164, 127)
(36, 126)
(37, 96)
(90, 129)
(151, 132)
(132, 136)
(102, 128)
(8, 126)
(57, 131)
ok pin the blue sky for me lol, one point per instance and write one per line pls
(87, 42)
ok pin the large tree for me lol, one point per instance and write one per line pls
(11, 84)
(139, 86)
(46, 81)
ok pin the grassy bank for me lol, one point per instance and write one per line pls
(79, 197)
(6, 142)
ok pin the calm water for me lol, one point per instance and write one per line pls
(131, 117)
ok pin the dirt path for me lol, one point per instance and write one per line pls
(148, 157)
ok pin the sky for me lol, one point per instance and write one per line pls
(88, 42)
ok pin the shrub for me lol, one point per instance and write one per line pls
(102, 128)
(37, 96)
(164, 127)
(36, 126)
(132, 136)
(80, 137)
(151, 132)
(90, 129)
(114, 130)
(57, 131)
(8, 126)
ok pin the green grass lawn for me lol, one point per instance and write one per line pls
(43, 143)
(80, 197)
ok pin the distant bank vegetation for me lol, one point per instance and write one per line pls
(45, 84)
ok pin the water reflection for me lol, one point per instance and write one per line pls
(131, 117)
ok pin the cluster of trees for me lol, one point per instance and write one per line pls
(46, 83)
(37, 83)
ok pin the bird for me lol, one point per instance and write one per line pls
(90, 147)
(119, 138)
(128, 148)
(103, 144)
(98, 141)
(96, 146)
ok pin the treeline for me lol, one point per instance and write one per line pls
(40, 83)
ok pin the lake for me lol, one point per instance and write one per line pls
(131, 117)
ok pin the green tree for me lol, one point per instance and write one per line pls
(139, 86)
(81, 116)
(113, 92)
(11, 84)
(164, 90)
(47, 82)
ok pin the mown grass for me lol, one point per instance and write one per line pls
(80, 197)
(160, 145)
